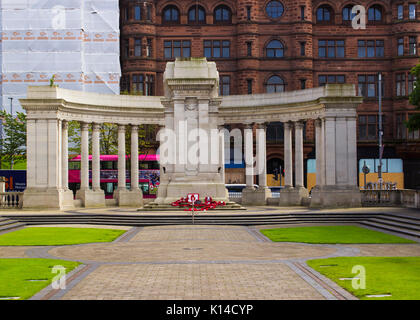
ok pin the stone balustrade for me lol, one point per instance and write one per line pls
(11, 200)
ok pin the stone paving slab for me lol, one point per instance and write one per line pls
(387, 250)
(94, 226)
(196, 282)
(194, 233)
(14, 251)
(189, 251)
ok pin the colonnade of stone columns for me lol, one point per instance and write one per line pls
(95, 197)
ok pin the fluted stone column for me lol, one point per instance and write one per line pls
(288, 162)
(293, 196)
(65, 155)
(319, 152)
(299, 155)
(124, 197)
(84, 157)
(135, 197)
(249, 157)
(121, 158)
(96, 186)
(94, 197)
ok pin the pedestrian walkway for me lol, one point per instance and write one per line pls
(198, 262)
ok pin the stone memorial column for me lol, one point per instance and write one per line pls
(288, 162)
(121, 158)
(249, 157)
(65, 155)
(96, 186)
(84, 157)
(299, 155)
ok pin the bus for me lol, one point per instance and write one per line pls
(149, 174)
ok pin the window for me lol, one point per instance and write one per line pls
(370, 48)
(324, 79)
(126, 48)
(249, 49)
(368, 86)
(402, 131)
(224, 86)
(274, 49)
(149, 48)
(302, 13)
(412, 45)
(137, 13)
(411, 82)
(400, 84)
(274, 9)
(249, 85)
(303, 84)
(125, 83)
(400, 12)
(275, 133)
(197, 15)
(149, 13)
(222, 14)
(177, 48)
(248, 13)
(400, 46)
(324, 14)
(217, 48)
(137, 47)
(302, 48)
(375, 13)
(143, 84)
(331, 48)
(412, 11)
(275, 84)
(126, 14)
(171, 14)
(368, 126)
(347, 14)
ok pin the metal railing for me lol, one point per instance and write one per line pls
(11, 200)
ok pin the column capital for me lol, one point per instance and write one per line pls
(248, 125)
(121, 127)
(84, 126)
(134, 128)
(318, 122)
(288, 125)
(299, 124)
(96, 126)
(262, 125)
(65, 124)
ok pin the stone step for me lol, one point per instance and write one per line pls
(8, 225)
(396, 223)
(397, 230)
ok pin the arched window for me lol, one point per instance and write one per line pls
(274, 9)
(274, 49)
(222, 14)
(375, 13)
(171, 14)
(196, 14)
(275, 84)
(324, 14)
(347, 14)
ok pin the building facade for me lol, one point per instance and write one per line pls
(263, 46)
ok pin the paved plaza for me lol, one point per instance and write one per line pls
(198, 262)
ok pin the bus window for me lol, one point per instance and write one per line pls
(74, 165)
(144, 187)
(144, 165)
(106, 165)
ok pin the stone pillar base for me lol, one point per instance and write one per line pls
(293, 196)
(34, 198)
(176, 190)
(90, 198)
(129, 198)
(335, 197)
(256, 197)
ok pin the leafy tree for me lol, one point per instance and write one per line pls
(13, 141)
(413, 122)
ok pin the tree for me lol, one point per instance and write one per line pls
(13, 141)
(413, 122)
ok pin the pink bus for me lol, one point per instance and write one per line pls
(149, 174)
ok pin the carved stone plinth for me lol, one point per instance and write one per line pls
(293, 197)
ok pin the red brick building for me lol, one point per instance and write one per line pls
(271, 46)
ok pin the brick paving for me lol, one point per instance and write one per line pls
(198, 262)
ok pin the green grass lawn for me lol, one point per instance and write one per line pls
(331, 234)
(399, 277)
(58, 236)
(16, 273)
